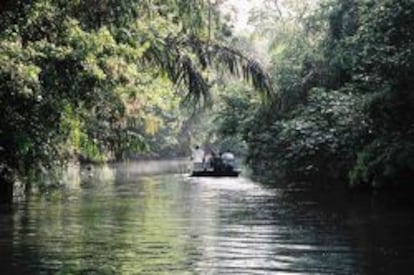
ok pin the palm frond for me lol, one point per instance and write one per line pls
(234, 62)
(241, 66)
(175, 57)
(180, 69)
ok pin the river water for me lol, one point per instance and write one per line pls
(151, 218)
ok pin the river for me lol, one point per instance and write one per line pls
(151, 218)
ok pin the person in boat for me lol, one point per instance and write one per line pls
(208, 160)
(197, 156)
(216, 162)
(228, 160)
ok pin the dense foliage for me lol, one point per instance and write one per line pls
(343, 73)
(103, 79)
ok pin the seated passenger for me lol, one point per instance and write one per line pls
(217, 163)
(228, 160)
(197, 155)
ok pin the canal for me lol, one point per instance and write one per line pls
(151, 218)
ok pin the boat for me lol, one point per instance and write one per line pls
(212, 173)
(229, 169)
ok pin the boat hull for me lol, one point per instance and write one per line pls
(215, 173)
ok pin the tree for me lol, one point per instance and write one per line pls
(82, 80)
(344, 95)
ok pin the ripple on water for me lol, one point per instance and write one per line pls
(141, 221)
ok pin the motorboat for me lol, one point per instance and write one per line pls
(212, 173)
(223, 168)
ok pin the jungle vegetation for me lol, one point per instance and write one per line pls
(343, 73)
(101, 80)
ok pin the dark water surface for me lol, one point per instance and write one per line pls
(143, 219)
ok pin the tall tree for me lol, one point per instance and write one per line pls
(85, 73)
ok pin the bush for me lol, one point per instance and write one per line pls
(386, 162)
(316, 140)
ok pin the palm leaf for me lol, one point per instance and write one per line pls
(172, 55)
(234, 62)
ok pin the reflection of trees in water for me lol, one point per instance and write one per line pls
(127, 223)
(359, 234)
(381, 229)
(107, 228)
(6, 240)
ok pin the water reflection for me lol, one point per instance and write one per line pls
(137, 219)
